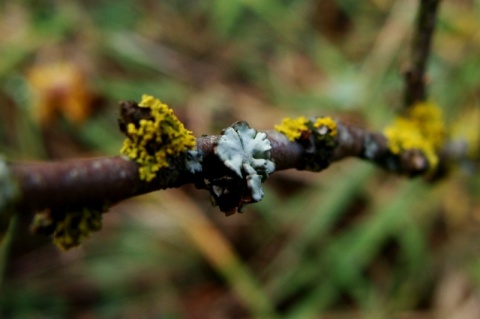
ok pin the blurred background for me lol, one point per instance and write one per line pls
(350, 242)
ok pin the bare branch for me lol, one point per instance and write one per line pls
(415, 81)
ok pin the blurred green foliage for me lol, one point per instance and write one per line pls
(349, 242)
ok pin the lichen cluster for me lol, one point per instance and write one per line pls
(292, 128)
(69, 229)
(243, 149)
(246, 153)
(328, 123)
(421, 128)
(153, 141)
(316, 135)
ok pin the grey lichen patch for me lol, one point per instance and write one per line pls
(9, 194)
(370, 147)
(246, 153)
(193, 161)
(242, 146)
(254, 183)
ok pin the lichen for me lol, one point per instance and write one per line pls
(327, 122)
(153, 141)
(69, 229)
(316, 135)
(241, 146)
(292, 128)
(421, 128)
(193, 161)
(246, 153)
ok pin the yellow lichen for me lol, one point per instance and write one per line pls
(152, 142)
(328, 122)
(316, 135)
(292, 128)
(421, 128)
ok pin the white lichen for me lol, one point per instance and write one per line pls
(193, 161)
(254, 183)
(247, 153)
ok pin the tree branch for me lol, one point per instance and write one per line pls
(415, 80)
(69, 185)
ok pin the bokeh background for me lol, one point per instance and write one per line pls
(350, 242)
